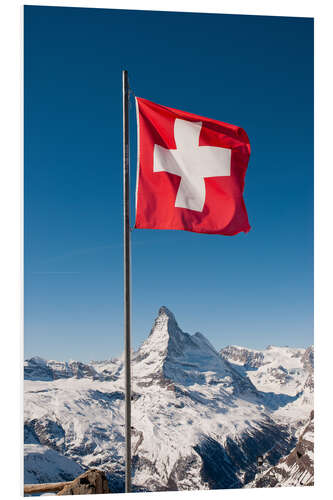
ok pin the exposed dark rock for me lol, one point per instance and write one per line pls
(295, 469)
(45, 431)
(249, 359)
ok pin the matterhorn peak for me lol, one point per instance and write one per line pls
(151, 356)
(164, 310)
(165, 328)
(166, 319)
(169, 354)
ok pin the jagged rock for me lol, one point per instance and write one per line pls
(296, 469)
(89, 483)
(308, 359)
(247, 358)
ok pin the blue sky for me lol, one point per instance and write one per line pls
(252, 71)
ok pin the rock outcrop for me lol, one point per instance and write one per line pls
(89, 483)
(296, 469)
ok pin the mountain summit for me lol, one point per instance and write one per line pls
(171, 355)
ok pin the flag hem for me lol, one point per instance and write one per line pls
(138, 155)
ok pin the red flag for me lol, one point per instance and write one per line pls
(191, 172)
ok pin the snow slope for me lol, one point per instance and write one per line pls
(44, 465)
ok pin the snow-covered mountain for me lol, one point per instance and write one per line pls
(39, 369)
(283, 375)
(200, 418)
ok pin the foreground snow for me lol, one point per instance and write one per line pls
(44, 465)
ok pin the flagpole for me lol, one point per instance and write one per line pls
(127, 282)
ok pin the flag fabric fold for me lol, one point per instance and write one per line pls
(191, 172)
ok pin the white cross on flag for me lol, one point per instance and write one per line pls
(191, 172)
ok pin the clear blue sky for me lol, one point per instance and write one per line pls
(252, 71)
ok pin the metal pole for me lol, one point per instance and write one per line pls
(127, 282)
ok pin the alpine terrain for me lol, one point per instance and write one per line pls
(200, 418)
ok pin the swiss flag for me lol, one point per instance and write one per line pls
(191, 172)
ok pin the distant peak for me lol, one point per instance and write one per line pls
(37, 360)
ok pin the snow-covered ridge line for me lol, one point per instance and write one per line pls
(37, 368)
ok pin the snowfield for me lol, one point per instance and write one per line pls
(284, 375)
(200, 418)
(44, 465)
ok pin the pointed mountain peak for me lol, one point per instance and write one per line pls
(168, 340)
(165, 339)
(150, 357)
(164, 310)
(165, 326)
(169, 354)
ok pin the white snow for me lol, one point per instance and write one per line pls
(281, 371)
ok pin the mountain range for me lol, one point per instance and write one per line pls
(200, 418)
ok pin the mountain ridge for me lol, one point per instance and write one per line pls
(198, 419)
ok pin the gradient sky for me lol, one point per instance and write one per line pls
(252, 71)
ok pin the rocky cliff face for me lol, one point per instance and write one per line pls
(199, 418)
(296, 469)
(247, 358)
